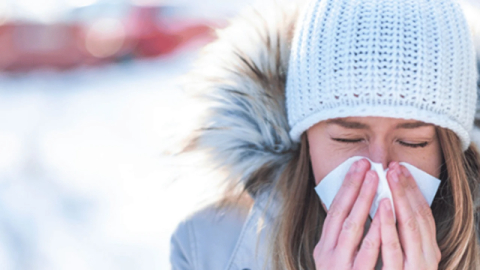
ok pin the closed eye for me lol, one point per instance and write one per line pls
(413, 145)
(347, 140)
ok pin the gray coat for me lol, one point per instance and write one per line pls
(222, 238)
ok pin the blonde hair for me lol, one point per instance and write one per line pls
(300, 222)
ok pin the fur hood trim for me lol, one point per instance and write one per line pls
(242, 77)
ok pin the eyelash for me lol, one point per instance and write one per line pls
(347, 140)
(418, 145)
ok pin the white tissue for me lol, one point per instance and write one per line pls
(329, 186)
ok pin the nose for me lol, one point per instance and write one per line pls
(379, 152)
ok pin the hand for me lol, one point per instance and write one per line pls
(343, 228)
(414, 244)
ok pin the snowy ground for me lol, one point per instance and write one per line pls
(86, 176)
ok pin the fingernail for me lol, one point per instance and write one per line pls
(390, 166)
(360, 165)
(354, 167)
(405, 172)
(368, 177)
(396, 166)
(394, 175)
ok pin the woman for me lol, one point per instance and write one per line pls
(296, 94)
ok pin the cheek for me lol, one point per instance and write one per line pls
(324, 161)
(434, 163)
(429, 161)
(326, 155)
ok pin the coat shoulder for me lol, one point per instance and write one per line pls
(207, 238)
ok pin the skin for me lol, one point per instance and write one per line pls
(408, 244)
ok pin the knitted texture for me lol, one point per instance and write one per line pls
(411, 59)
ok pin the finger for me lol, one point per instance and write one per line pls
(408, 228)
(353, 226)
(342, 204)
(424, 216)
(417, 201)
(392, 254)
(367, 256)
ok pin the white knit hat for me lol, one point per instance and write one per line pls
(411, 59)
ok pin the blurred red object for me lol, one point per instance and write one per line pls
(26, 46)
(157, 33)
(145, 31)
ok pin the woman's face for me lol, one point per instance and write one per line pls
(380, 139)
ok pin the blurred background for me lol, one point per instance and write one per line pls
(90, 105)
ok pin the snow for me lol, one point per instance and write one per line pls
(88, 175)
(87, 178)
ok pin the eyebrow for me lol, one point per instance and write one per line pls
(412, 125)
(348, 124)
(358, 125)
